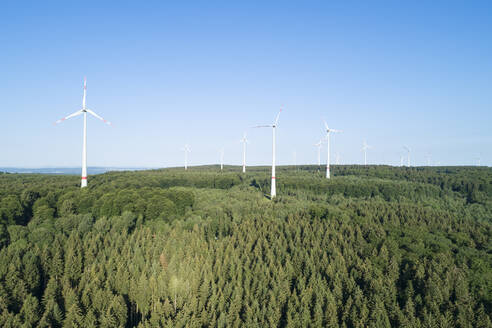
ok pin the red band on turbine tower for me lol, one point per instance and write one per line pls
(84, 178)
(273, 177)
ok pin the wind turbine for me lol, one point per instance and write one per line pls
(273, 191)
(295, 160)
(408, 155)
(186, 150)
(338, 158)
(319, 151)
(328, 131)
(84, 111)
(479, 160)
(244, 141)
(221, 151)
(365, 147)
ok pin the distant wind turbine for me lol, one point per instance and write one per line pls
(408, 155)
(186, 150)
(84, 111)
(319, 144)
(295, 160)
(338, 158)
(479, 160)
(328, 131)
(221, 151)
(273, 191)
(244, 141)
(365, 147)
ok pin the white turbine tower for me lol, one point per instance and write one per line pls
(328, 131)
(408, 155)
(186, 150)
(244, 141)
(273, 191)
(319, 144)
(221, 152)
(365, 147)
(295, 160)
(84, 111)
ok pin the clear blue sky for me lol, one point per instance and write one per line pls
(415, 73)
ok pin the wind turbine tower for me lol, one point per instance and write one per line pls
(319, 144)
(186, 150)
(295, 160)
(365, 147)
(84, 111)
(244, 141)
(328, 131)
(221, 158)
(408, 155)
(273, 191)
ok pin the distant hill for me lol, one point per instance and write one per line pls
(68, 170)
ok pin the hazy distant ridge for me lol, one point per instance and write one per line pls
(68, 170)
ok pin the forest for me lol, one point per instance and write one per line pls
(375, 246)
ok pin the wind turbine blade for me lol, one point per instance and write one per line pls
(336, 131)
(262, 126)
(69, 116)
(97, 116)
(278, 115)
(326, 126)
